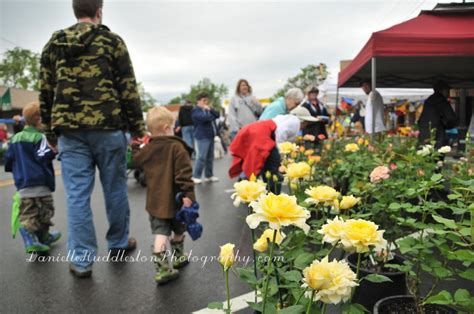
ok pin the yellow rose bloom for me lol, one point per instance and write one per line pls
(322, 194)
(248, 191)
(351, 147)
(360, 141)
(332, 281)
(261, 245)
(278, 210)
(333, 230)
(348, 202)
(298, 170)
(361, 234)
(226, 256)
(287, 147)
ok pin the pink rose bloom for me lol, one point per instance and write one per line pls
(379, 173)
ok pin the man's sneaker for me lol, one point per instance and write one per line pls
(131, 245)
(196, 180)
(211, 179)
(80, 272)
(32, 243)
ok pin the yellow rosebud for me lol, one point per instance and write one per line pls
(268, 175)
(275, 178)
(348, 202)
(227, 257)
(261, 245)
(360, 141)
(311, 162)
(294, 155)
(302, 149)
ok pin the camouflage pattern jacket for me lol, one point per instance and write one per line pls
(87, 82)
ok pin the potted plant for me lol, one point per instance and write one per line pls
(439, 250)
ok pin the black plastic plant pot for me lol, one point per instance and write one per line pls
(405, 304)
(368, 293)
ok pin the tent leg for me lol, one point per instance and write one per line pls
(374, 85)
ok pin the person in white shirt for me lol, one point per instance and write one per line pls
(375, 107)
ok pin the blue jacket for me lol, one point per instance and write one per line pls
(30, 159)
(204, 123)
(274, 109)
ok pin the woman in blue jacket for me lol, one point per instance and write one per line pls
(205, 129)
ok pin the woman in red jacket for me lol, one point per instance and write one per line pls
(255, 149)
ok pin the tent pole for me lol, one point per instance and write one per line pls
(374, 85)
(335, 107)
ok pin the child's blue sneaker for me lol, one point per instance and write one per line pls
(32, 244)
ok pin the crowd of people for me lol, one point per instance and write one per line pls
(82, 119)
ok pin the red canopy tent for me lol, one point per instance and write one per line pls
(437, 44)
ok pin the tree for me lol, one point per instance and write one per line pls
(310, 75)
(20, 68)
(215, 91)
(146, 98)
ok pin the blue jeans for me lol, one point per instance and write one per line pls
(80, 153)
(188, 136)
(205, 158)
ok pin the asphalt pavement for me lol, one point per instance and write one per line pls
(48, 287)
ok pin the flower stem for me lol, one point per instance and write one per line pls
(227, 289)
(357, 273)
(277, 276)
(323, 309)
(267, 279)
(254, 256)
(301, 295)
(308, 309)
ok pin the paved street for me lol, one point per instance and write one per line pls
(122, 287)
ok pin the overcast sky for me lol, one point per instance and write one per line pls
(174, 44)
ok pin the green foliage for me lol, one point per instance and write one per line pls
(146, 98)
(20, 68)
(215, 91)
(313, 74)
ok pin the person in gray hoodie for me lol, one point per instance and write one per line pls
(244, 108)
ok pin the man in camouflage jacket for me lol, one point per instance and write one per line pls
(89, 99)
